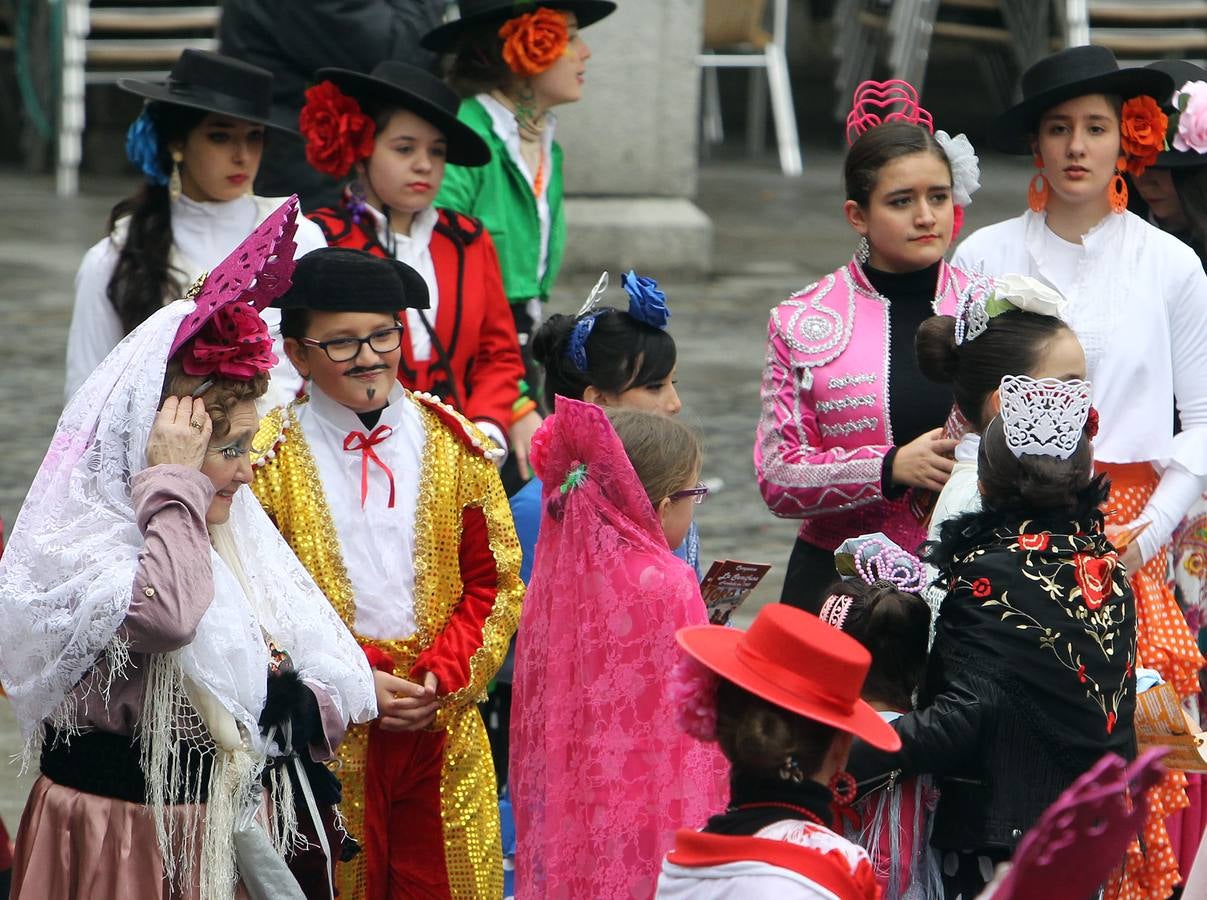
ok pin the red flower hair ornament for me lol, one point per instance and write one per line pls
(233, 344)
(534, 41)
(338, 134)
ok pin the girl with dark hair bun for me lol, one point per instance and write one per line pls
(1017, 332)
(198, 145)
(851, 437)
(1009, 715)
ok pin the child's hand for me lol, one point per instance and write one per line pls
(404, 705)
(925, 462)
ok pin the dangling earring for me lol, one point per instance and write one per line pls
(1037, 191)
(1116, 191)
(863, 251)
(790, 771)
(174, 186)
(357, 204)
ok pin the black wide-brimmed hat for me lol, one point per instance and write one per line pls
(214, 83)
(396, 83)
(1074, 72)
(1181, 72)
(481, 12)
(340, 279)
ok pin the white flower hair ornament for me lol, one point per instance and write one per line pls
(1044, 416)
(1005, 293)
(965, 166)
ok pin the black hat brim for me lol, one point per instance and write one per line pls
(209, 101)
(340, 279)
(1013, 130)
(465, 146)
(444, 39)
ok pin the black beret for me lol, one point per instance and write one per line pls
(338, 279)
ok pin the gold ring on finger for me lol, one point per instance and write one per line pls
(198, 424)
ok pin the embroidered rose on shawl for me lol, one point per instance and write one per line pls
(142, 149)
(1142, 130)
(692, 691)
(1037, 542)
(1191, 130)
(533, 42)
(234, 343)
(981, 588)
(1094, 577)
(1110, 722)
(646, 302)
(337, 133)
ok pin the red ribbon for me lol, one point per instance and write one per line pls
(358, 440)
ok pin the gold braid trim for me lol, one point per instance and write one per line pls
(454, 476)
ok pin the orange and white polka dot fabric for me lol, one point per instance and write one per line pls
(1165, 643)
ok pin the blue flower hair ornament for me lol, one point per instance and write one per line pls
(142, 149)
(646, 304)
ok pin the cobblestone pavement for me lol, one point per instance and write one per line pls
(773, 236)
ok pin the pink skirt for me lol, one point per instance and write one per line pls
(77, 846)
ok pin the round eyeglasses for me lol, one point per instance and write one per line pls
(346, 349)
(697, 493)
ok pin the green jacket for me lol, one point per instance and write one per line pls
(499, 195)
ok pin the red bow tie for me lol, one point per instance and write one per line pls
(358, 440)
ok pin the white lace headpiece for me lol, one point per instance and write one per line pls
(66, 577)
(1044, 416)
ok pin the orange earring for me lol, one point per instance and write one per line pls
(1037, 190)
(1116, 191)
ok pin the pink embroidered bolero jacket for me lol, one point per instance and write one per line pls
(825, 427)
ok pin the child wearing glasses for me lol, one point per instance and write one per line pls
(601, 775)
(393, 503)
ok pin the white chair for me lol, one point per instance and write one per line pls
(734, 38)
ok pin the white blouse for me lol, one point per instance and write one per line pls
(203, 234)
(1137, 299)
(383, 583)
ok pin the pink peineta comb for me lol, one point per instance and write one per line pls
(834, 610)
(256, 272)
(878, 102)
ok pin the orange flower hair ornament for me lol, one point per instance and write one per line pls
(534, 41)
(338, 134)
(1142, 127)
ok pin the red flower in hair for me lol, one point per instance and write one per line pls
(234, 344)
(957, 221)
(337, 133)
(1142, 129)
(981, 588)
(1091, 424)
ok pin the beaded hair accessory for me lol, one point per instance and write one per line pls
(834, 610)
(1044, 416)
(873, 558)
(878, 102)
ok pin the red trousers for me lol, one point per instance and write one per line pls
(404, 834)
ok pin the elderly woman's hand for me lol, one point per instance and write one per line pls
(181, 433)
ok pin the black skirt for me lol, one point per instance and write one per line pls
(811, 575)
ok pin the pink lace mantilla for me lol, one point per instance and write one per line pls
(601, 774)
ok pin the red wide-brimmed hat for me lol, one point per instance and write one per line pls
(797, 662)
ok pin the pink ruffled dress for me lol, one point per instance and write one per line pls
(601, 774)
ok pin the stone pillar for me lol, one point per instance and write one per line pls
(631, 144)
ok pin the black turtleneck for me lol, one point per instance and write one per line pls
(915, 404)
(753, 804)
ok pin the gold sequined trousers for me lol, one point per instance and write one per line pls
(468, 808)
